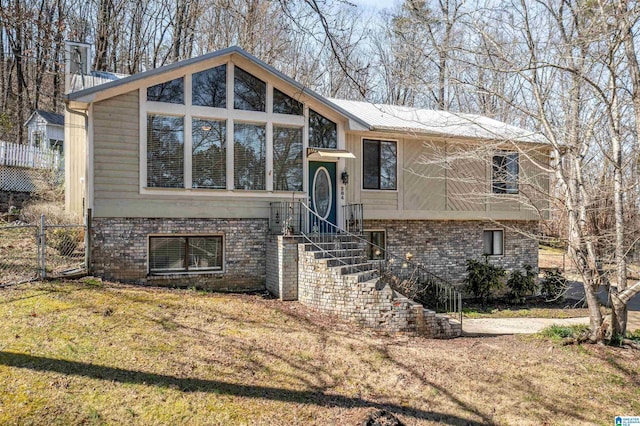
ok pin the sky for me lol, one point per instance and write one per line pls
(375, 4)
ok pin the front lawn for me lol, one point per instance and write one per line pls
(73, 353)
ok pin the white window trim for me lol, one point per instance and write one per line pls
(230, 115)
(390, 191)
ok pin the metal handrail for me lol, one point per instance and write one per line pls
(409, 278)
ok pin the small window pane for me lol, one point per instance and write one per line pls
(165, 151)
(205, 253)
(487, 239)
(210, 87)
(497, 242)
(323, 132)
(166, 254)
(171, 92)
(250, 93)
(209, 154)
(285, 104)
(371, 164)
(388, 157)
(287, 159)
(249, 154)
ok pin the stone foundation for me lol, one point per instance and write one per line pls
(443, 247)
(119, 251)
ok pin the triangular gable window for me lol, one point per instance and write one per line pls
(210, 87)
(170, 91)
(250, 93)
(285, 104)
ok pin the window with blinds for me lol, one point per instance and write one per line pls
(493, 242)
(170, 91)
(209, 87)
(249, 156)
(249, 92)
(285, 104)
(165, 151)
(185, 254)
(287, 158)
(209, 154)
(323, 133)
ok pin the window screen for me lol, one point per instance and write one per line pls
(249, 156)
(184, 254)
(287, 159)
(250, 93)
(323, 132)
(209, 87)
(165, 151)
(493, 242)
(209, 155)
(285, 104)
(171, 92)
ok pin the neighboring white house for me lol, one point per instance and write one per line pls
(45, 130)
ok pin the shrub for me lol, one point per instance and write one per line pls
(558, 332)
(521, 284)
(482, 279)
(553, 285)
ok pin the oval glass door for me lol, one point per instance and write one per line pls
(322, 196)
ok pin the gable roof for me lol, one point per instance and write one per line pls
(392, 118)
(85, 95)
(50, 117)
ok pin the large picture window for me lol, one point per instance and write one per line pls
(379, 164)
(323, 133)
(185, 254)
(209, 154)
(249, 156)
(505, 173)
(287, 159)
(165, 151)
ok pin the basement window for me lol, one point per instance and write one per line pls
(185, 254)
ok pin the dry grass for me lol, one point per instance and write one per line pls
(73, 353)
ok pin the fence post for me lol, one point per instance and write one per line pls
(87, 242)
(43, 246)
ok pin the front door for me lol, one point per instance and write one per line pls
(322, 190)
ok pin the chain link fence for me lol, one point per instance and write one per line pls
(32, 252)
(19, 261)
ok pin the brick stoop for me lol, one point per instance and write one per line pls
(336, 278)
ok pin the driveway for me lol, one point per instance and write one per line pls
(498, 326)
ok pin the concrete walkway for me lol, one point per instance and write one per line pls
(497, 326)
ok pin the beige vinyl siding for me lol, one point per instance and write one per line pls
(75, 152)
(435, 182)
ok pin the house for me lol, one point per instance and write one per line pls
(213, 171)
(45, 130)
